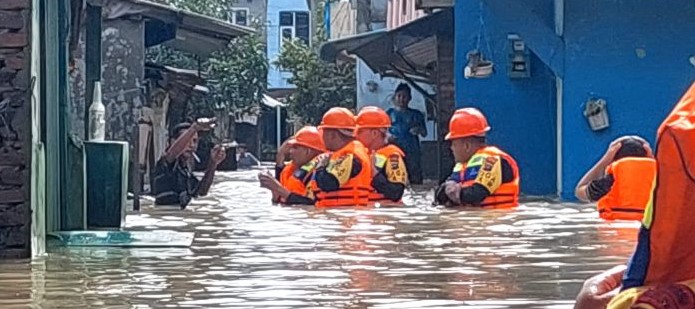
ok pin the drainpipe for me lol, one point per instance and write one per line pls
(559, 31)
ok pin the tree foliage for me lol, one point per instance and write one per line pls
(320, 85)
(236, 76)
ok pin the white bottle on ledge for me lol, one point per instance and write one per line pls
(97, 122)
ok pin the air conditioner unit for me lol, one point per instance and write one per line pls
(433, 4)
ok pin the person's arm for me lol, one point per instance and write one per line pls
(598, 291)
(391, 184)
(596, 172)
(422, 126)
(333, 176)
(390, 190)
(181, 143)
(217, 155)
(296, 199)
(599, 188)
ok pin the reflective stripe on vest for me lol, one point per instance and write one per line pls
(355, 192)
(296, 180)
(631, 190)
(507, 195)
(382, 155)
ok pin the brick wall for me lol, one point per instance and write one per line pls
(15, 128)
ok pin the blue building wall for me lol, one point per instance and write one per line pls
(603, 57)
(521, 112)
(633, 54)
(276, 78)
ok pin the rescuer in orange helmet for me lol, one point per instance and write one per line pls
(343, 175)
(291, 183)
(484, 175)
(389, 174)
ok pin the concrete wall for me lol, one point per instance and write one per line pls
(276, 78)
(15, 128)
(520, 112)
(634, 55)
(343, 20)
(123, 70)
(257, 11)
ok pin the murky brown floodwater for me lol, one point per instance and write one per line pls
(249, 253)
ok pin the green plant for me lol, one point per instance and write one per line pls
(235, 75)
(320, 85)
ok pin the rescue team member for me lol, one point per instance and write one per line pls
(621, 181)
(389, 174)
(173, 182)
(343, 175)
(484, 175)
(661, 272)
(291, 183)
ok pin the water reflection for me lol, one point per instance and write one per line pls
(249, 253)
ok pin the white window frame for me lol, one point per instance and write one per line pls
(232, 16)
(282, 39)
(294, 26)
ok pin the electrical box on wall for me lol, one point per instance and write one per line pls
(519, 60)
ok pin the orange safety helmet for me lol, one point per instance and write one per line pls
(467, 122)
(338, 118)
(372, 117)
(309, 137)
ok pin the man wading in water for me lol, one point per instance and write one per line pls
(173, 181)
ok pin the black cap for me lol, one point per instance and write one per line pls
(403, 87)
(630, 147)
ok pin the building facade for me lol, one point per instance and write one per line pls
(635, 56)
(286, 19)
(249, 13)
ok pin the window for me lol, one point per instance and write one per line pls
(239, 16)
(294, 25)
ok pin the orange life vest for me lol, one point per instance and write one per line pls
(507, 195)
(382, 157)
(355, 192)
(631, 190)
(296, 179)
(665, 253)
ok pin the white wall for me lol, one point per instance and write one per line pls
(384, 93)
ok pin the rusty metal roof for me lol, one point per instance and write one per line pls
(180, 29)
(410, 49)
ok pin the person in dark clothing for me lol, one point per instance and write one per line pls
(407, 125)
(173, 180)
(596, 183)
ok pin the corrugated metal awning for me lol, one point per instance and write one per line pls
(180, 29)
(410, 49)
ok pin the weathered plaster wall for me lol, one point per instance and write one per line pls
(15, 128)
(123, 70)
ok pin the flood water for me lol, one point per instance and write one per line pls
(248, 253)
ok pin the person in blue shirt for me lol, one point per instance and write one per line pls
(407, 125)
